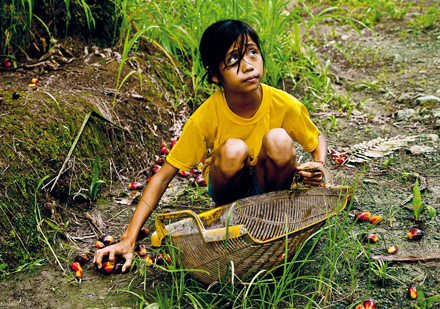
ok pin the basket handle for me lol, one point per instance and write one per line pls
(208, 235)
(328, 179)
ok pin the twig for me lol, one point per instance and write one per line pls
(407, 258)
(117, 214)
(93, 222)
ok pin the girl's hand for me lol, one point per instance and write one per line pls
(121, 248)
(310, 178)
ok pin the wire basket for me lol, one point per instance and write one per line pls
(250, 232)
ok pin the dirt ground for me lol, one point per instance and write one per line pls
(393, 78)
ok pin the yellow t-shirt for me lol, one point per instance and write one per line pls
(213, 123)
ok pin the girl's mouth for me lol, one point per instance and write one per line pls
(251, 79)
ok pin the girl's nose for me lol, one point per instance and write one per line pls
(246, 65)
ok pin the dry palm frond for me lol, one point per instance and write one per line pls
(376, 148)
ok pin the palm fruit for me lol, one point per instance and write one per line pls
(416, 234)
(76, 266)
(107, 240)
(99, 244)
(143, 232)
(392, 249)
(108, 267)
(376, 219)
(370, 304)
(79, 274)
(81, 259)
(363, 216)
(140, 250)
(360, 306)
(369, 238)
(200, 180)
(156, 168)
(412, 292)
(135, 186)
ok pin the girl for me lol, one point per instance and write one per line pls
(248, 128)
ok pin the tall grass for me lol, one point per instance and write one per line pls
(177, 26)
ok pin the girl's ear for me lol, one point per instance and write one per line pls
(214, 78)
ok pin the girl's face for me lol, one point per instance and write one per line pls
(250, 68)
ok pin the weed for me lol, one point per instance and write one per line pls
(417, 203)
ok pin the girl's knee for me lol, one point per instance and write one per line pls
(235, 150)
(278, 145)
(232, 156)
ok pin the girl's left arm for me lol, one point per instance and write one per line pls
(319, 155)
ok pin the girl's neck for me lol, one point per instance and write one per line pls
(244, 105)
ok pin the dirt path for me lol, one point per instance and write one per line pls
(394, 81)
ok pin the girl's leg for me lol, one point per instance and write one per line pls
(229, 172)
(276, 161)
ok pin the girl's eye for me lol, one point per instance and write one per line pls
(253, 52)
(232, 59)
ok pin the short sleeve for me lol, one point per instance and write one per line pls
(190, 148)
(304, 131)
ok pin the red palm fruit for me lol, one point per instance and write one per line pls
(200, 180)
(140, 250)
(412, 292)
(163, 145)
(76, 266)
(156, 168)
(81, 259)
(416, 234)
(107, 240)
(158, 259)
(282, 256)
(340, 159)
(79, 273)
(32, 85)
(376, 219)
(172, 144)
(15, 95)
(164, 150)
(148, 260)
(360, 306)
(160, 161)
(185, 173)
(370, 304)
(108, 267)
(34, 81)
(7, 64)
(166, 257)
(99, 244)
(196, 171)
(363, 216)
(143, 232)
(36, 89)
(392, 249)
(1, 99)
(174, 139)
(135, 186)
(370, 238)
(118, 268)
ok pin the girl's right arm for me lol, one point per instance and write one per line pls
(149, 199)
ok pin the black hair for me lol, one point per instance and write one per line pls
(218, 38)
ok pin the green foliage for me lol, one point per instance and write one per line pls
(427, 20)
(94, 185)
(425, 303)
(417, 203)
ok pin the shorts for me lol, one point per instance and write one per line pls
(254, 188)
